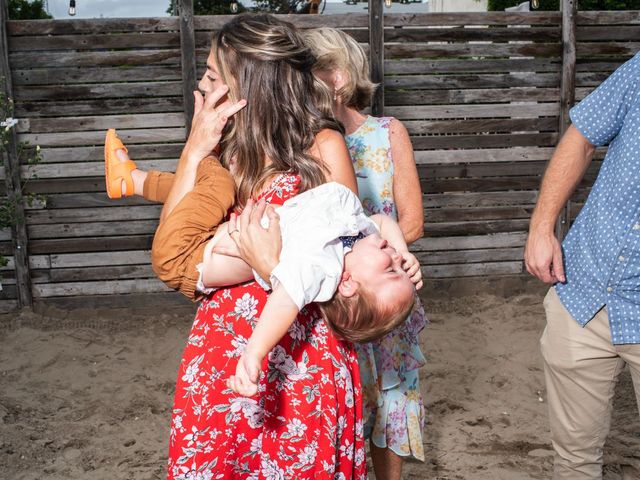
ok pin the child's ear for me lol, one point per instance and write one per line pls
(347, 286)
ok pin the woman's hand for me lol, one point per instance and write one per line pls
(209, 120)
(411, 266)
(258, 246)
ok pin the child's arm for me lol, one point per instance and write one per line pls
(390, 231)
(221, 270)
(278, 314)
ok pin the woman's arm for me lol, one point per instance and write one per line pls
(407, 193)
(206, 131)
(332, 150)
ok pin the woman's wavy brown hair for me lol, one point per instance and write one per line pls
(266, 61)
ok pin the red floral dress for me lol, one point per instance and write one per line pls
(305, 422)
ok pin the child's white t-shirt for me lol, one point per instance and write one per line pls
(312, 256)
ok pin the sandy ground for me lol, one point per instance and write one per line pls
(88, 396)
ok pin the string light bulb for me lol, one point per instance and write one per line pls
(535, 4)
(387, 3)
(234, 7)
(72, 7)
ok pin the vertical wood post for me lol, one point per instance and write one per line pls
(188, 54)
(567, 90)
(376, 54)
(12, 178)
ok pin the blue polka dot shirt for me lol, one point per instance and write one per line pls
(602, 248)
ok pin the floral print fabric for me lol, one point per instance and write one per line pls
(392, 402)
(305, 421)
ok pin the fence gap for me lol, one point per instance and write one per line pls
(12, 178)
(567, 91)
(376, 55)
(188, 56)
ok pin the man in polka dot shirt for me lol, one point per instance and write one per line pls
(593, 310)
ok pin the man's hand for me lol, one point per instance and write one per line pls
(543, 257)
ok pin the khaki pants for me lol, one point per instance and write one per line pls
(581, 370)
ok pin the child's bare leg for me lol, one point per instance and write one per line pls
(138, 176)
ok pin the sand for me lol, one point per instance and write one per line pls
(87, 395)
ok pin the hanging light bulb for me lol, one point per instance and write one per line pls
(535, 4)
(234, 7)
(387, 3)
(72, 7)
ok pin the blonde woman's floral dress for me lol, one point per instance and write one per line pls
(305, 421)
(393, 408)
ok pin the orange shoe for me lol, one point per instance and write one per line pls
(115, 170)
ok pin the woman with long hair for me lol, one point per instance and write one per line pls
(306, 419)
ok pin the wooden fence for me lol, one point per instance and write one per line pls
(481, 94)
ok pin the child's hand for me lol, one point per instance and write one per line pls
(245, 381)
(411, 265)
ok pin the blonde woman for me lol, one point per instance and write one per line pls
(388, 183)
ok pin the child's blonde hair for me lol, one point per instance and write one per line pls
(360, 318)
(334, 49)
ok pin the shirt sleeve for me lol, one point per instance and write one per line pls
(600, 115)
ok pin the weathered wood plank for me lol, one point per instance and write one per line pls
(481, 227)
(478, 50)
(145, 302)
(93, 91)
(109, 106)
(609, 18)
(74, 200)
(93, 59)
(100, 259)
(473, 269)
(516, 154)
(474, 111)
(91, 26)
(214, 22)
(93, 273)
(97, 138)
(102, 122)
(447, 82)
(138, 40)
(65, 76)
(472, 18)
(81, 215)
(89, 244)
(437, 97)
(497, 240)
(464, 34)
(434, 215)
(88, 169)
(96, 153)
(485, 141)
(91, 229)
(99, 288)
(598, 33)
(479, 199)
(470, 256)
(485, 125)
(607, 48)
(411, 66)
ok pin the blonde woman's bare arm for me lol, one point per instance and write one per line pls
(407, 193)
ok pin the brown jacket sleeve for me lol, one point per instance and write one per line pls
(180, 239)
